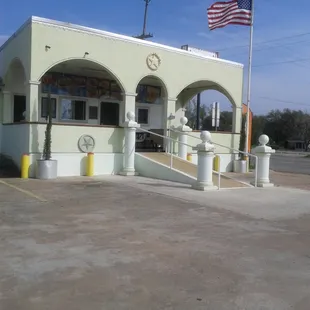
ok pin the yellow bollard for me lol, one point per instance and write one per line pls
(216, 163)
(90, 165)
(189, 157)
(24, 167)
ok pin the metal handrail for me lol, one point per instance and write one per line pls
(172, 155)
(167, 138)
(219, 173)
(227, 147)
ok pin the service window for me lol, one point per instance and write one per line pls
(109, 114)
(143, 116)
(44, 107)
(72, 110)
(19, 108)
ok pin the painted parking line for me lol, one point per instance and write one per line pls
(28, 193)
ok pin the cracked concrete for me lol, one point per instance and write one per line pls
(136, 243)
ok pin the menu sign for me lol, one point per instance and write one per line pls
(148, 94)
(80, 86)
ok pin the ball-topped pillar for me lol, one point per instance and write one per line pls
(183, 130)
(130, 145)
(263, 153)
(205, 151)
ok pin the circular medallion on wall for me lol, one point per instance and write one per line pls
(86, 144)
(153, 61)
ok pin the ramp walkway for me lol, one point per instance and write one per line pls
(189, 169)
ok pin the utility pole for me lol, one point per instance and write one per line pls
(198, 111)
(144, 35)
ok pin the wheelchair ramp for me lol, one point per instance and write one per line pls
(157, 165)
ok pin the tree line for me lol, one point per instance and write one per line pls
(286, 128)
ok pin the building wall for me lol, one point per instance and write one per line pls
(155, 115)
(109, 143)
(74, 164)
(177, 70)
(65, 138)
(113, 54)
(15, 141)
(125, 59)
(19, 47)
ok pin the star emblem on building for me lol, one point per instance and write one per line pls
(153, 61)
(86, 143)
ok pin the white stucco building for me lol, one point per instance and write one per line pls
(95, 78)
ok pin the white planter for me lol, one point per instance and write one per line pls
(46, 169)
(240, 166)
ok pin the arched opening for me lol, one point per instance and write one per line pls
(150, 104)
(82, 91)
(217, 109)
(14, 81)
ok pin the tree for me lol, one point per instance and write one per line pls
(191, 113)
(258, 126)
(282, 126)
(47, 153)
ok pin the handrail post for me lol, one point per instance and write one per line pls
(205, 152)
(219, 172)
(263, 153)
(221, 145)
(183, 134)
(130, 145)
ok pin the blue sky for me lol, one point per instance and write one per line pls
(178, 22)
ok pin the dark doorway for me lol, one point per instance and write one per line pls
(109, 113)
(19, 108)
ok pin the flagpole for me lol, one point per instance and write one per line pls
(249, 85)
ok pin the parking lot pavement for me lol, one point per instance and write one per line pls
(282, 179)
(137, 243)
(292, 163)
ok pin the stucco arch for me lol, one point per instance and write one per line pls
(15, 76)
(192, 89)
(15, 64)
(159, 79)
(87, 60)
(198, 86)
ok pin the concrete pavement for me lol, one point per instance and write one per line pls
(290, 163)
(137, 243)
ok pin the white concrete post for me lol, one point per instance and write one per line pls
(32, 101)
(263, 152)
(205, 152)
(183, 130)
(130, 145)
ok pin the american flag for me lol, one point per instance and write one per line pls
(237, 12)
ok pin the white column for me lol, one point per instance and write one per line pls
(130, 145)
(7, 112)
(32, 101)
(168, 120)
(180, 109)
(169, 110)
(129, 105)
(237, 119)
(183, 130)
(263, 152)
(205, 152)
